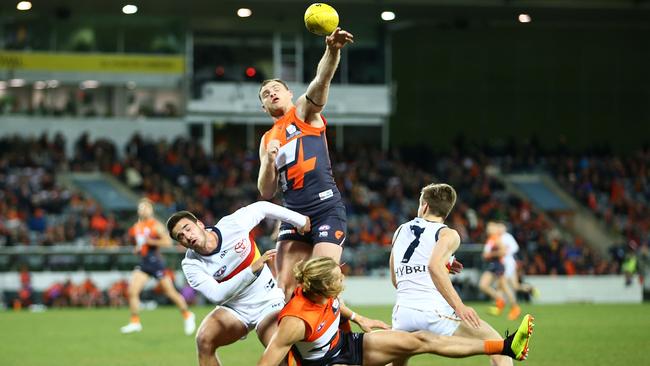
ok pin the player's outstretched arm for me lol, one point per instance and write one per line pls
(253, 214)
(366, 324)
(267, 180)
(290, 331)
(447, 244)
(313, 101)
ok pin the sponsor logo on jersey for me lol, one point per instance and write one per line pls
(240, 246)
(323, 227)
(320, 326)
(269, 285)
(323, 234)
(326, 194)
(287, 232)
(220, 272)
(223, 253)
(405, 269)
(292, 131)
(335, 306)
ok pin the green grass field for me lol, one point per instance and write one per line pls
(577, 335)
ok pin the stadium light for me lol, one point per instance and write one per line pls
(16, 83)
(388, 16)
(129, 9)
(24, 5)
(89, 84)
(524, 18)
(244, 12)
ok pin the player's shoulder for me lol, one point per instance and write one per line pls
(191, 259)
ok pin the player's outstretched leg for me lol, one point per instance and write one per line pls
(516, 345)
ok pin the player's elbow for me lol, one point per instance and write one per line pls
(266, 194)
(438, 273)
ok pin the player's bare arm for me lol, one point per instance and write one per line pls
(393, 279)
(310, 104)
(447, 244)
(267, 180)
(163, 240)
(366, 324)
(290, 331)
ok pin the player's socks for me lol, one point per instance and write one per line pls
(189, 322)
(514, 312)
(493, 347)
(135, 319)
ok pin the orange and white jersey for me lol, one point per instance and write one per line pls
(303, 164)
(141, 232)
(224, 276)
(492, 245)
(322, 335)
(509, 260)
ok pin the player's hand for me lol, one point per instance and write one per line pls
(338, 39)
(269, 255)
(272, 149)
(455, 267)
(367, 324)
(306, 228)
(469, 316)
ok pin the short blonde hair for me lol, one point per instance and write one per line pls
(440, 197)
(316, 276)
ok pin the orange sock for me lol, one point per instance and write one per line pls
(186, 314)
(493, 347)
(135, 319)
(500, 303)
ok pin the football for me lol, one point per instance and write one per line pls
(321, 19)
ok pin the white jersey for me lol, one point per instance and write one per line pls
(509, 261)
(510, 243)
(413, 244)
(225, 276)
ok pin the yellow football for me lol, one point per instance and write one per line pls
(321, 19)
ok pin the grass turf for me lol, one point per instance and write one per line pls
(575, 334)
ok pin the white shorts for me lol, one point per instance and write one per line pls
(438, 321)
(510, 267)
(253, 313)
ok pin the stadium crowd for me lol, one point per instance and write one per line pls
(36, 210)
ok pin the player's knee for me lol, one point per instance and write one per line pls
(417, 341)
(427, 340)
(204, 343)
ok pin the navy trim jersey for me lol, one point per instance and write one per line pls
(304, 165)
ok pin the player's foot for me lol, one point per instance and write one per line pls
(516, 345)
(500, 303)
(131, 328)
(493, 310)
(535, 293)
(189, 324)
(514, 313)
